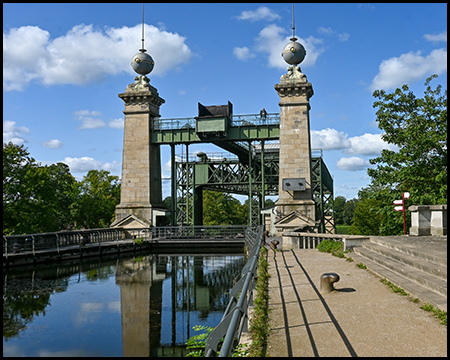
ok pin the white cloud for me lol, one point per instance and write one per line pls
(262, 13)
(329, 31)
(329, 139)
(352, 163)
(85, 163)
(326, 31)
(271, 41)
(409, 67)
(364, 145)
(368, 144)
(436, 38)
(13, 133)
(88, 120)
(116, 123)
(243, 53)
(343, 37)
(84, 54)
(52, 144)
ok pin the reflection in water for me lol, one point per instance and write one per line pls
(135, 306)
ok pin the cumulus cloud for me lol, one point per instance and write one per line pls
(14, 133)
(88, 119)
(353, 163)
(329, 139)
(243, 53)
(262, 13)
(271, 40)
(85, 163)
(368, 145)
(116, 123)
(436, 38)
(409, 67)
(365, 145)
(84, 54)
(52, 144)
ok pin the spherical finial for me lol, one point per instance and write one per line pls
(294, 53)
(142, 63)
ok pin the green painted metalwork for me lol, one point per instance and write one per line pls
(227, 174)
(251, 168)
(240, 128)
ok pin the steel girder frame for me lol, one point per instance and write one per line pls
(323, 196)
(232, 176)
(225, 175)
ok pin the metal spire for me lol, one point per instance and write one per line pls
(293, 24)
(143, 46)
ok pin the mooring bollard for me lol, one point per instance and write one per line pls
(327, 280)
(273, 244)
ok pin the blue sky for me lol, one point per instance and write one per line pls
(65, 64)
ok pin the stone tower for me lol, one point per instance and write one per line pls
(295, 206)
(141, 190)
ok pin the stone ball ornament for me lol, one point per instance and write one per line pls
(142, 63)
(293, 53)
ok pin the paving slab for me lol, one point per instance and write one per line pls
(362, 317)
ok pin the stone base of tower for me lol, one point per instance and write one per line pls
(138, 216)
(296, 216)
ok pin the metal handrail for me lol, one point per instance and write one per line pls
(58, 240)
(236, 120)
(235, 318)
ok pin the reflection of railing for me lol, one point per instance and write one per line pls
(235, 318)
(237, 120)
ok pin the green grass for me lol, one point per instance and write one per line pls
(394, 287)
(259, 322)
(342, 229)
(440, 314)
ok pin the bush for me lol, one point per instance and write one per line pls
(336, 248)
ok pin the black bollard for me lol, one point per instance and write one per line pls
(326, 282)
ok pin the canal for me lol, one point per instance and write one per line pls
(137, 305)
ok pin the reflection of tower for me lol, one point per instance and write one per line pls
(139, 286)
(295, 205)
(141, 190)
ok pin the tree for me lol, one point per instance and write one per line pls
(348, 211)
(366, 219)
(35, 198)
(419, 127)
(98, 196)
(222, 209)
(339, 203)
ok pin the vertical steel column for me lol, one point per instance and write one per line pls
(173, 187)
(263, 181)
(250, 192)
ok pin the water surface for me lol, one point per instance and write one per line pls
(130, 306)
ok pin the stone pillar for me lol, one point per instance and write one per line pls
(141, 165)
(428, 220)
(295, 146)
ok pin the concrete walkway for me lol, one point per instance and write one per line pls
(361, 318)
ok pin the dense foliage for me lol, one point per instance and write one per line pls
(418, 126)
(223, 209)
(44, 198)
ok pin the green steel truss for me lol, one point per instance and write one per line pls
(251, 170)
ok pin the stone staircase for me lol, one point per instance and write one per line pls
(416, 264)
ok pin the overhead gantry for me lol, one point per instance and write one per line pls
(250, 168)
